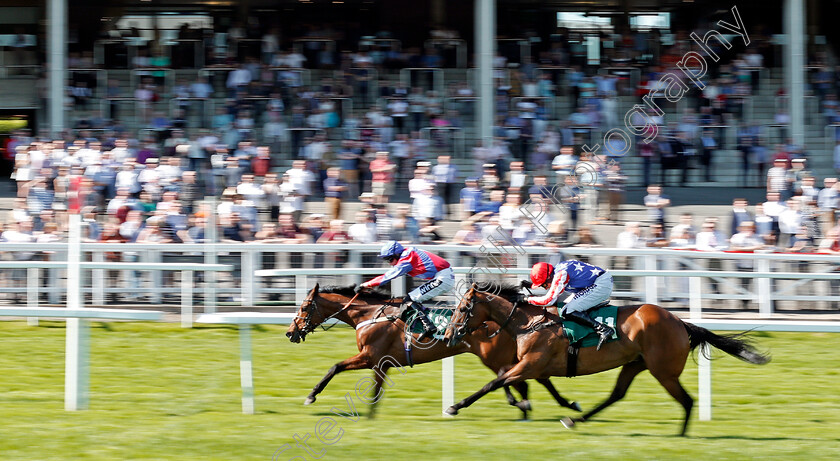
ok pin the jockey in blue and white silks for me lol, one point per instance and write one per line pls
(590, 284)
(416, 263)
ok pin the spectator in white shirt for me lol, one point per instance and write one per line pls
(790, 220)
(300, 179)
(776, 176)
(428, 205)
(238, 78)
(250, 190)
(420, 182)
(127, 177)
(510, 215)
(710, 239)
(364, 231)
(745, 241)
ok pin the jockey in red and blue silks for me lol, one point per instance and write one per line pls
(590, 284)
(416, 263)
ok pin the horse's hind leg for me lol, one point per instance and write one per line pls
(559, 398)
(356, 362)
(625, 377)
(673, 386)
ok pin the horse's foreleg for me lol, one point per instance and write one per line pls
(524, 404)
(625, 377)
(559, 398)
(356, 362)
(378, 378)
(513, 375)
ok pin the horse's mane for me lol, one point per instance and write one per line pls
(376, 294)
(509, 292)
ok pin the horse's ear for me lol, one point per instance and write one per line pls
(474, 286)
(316, 287)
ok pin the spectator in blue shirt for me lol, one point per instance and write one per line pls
(334, 192)
(470, 198)
(492, 206)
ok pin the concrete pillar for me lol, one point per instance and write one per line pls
(485, 41)
(56, 62)
(794, 17)
(438, 10)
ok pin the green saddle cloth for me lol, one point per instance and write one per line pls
(440, 317)
(575, 332)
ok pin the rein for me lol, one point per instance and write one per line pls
(338, 312)
(507, 320)
(313, 308)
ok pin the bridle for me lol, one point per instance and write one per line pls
(462, 329)
(310, 308)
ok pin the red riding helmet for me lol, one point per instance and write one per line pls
(541, 273)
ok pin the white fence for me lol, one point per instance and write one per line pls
(651, 275)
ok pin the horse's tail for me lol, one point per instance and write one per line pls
(735, 345)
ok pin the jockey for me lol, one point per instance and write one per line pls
(590, 284)
(423, 265)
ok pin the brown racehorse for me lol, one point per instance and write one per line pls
(383, 339)
(650, 338)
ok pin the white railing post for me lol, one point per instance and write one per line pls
(186, 299)
(355, 261)
(765, 302)
(447, 378)
(53, 279)
(651, 295)
(78, 330)
(98, 279)
(695, 287)
(210, 256)
(398, 287)
(247, 278)
(32, 285)
(704, 376)
(154, 256)
(246, 369)
(300, 288)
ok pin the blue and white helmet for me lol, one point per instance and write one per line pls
(391, 249)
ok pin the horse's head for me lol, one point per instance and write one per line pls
(466, 318)
(307, 318)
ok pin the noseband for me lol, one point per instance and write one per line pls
(312, 307)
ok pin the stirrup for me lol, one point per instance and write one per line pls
(605, 334)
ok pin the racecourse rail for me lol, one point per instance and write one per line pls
(651, 275)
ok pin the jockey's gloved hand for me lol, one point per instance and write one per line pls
(522, 299)
(359, 288)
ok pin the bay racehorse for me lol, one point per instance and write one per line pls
(650, 338)
(379, 337)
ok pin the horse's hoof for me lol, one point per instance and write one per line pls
(567, 422)
(309, 401)
(451, 411)
(524, 405)
(576, 406)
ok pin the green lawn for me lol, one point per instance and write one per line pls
(161, 392)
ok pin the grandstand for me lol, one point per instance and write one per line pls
(161, 106)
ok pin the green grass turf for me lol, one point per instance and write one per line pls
(162, 392)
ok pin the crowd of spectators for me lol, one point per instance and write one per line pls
(359, 132)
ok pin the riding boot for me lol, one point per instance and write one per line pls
(604, 331)
(429, 328)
